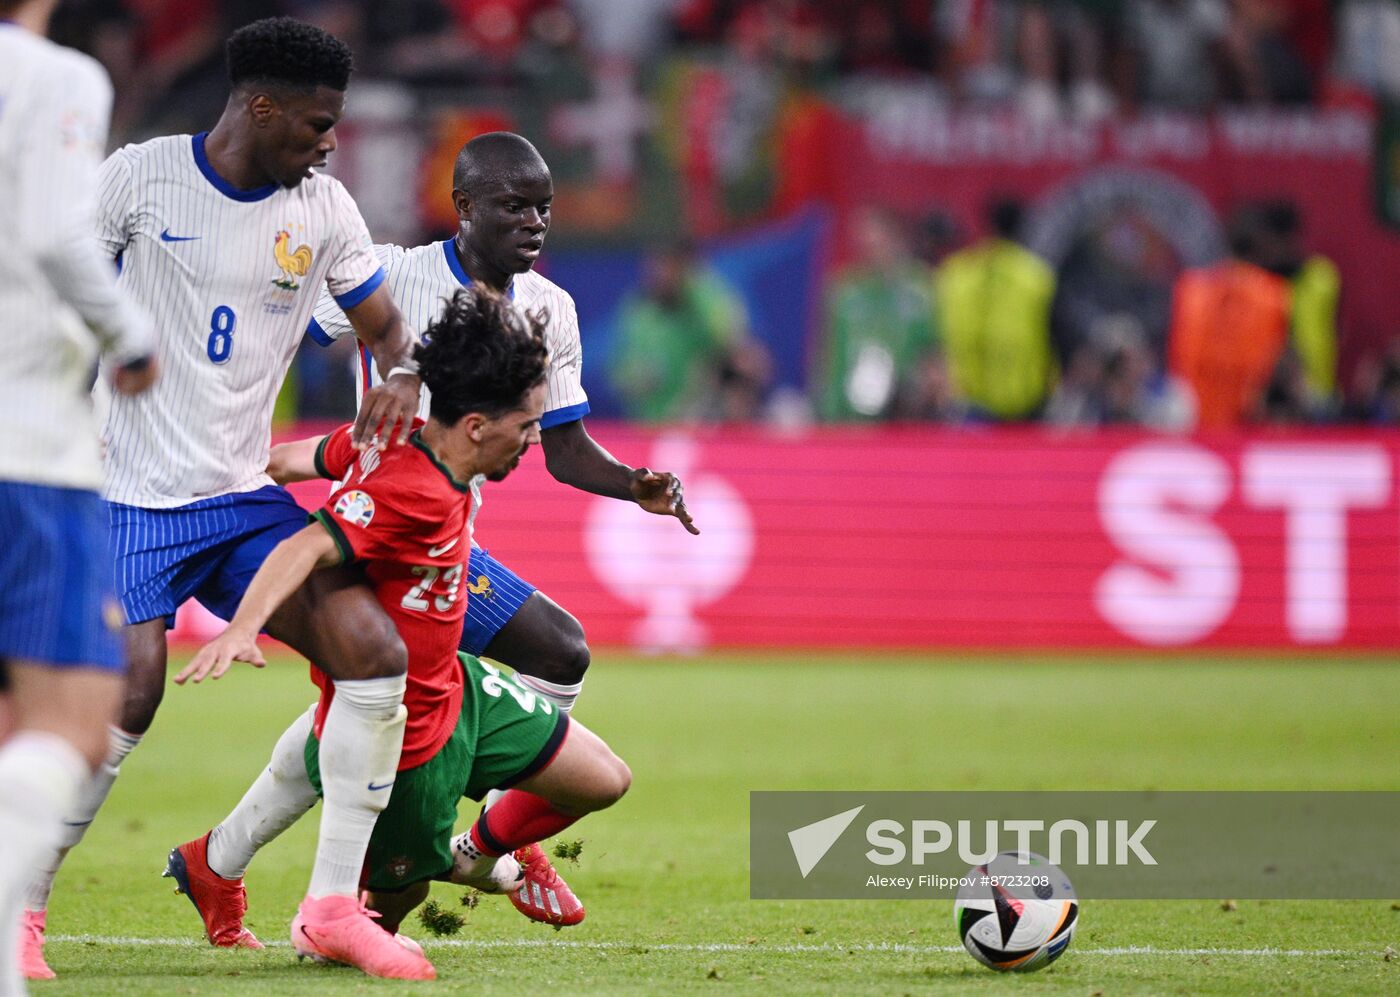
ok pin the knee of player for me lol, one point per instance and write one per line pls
(614, 779)
(382, 654)
(571, 657)
(140, 704)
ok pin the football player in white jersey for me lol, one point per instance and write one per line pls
(503, 192)
(61, 660)
(227, 237)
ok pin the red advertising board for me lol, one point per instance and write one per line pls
(997, 538)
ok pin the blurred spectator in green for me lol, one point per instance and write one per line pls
(681, 337)
(993, 302)
(880, 324)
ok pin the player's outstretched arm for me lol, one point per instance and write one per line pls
(281, 574)
(290, 462)
(386, 411)
(575, 458)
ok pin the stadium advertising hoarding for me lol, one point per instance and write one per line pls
(979, 538)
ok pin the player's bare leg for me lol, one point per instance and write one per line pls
(546, 648)
(59, 720)
(393, 907)
(584, 776)
(139, 696)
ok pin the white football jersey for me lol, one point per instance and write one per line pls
(231, 277)
(422, 279)
(59, 302)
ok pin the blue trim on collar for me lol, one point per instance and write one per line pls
(455, 265)
(350, 299)
(562, 415)
(317, 335)
(201, 159)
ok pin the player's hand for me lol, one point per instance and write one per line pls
(219, 654)
(136, 376)
(387, 413)
(661, 492)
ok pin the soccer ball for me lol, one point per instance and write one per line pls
(1016, 913)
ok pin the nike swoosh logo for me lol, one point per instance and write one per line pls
(374, 789)
(439, 551)
(165, 236)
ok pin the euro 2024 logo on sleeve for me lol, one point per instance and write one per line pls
(355, 507)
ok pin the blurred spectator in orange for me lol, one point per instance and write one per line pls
(993, 302)
(1230, 327)
(880, 324)
(683, 349)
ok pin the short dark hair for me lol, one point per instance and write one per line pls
(285, 52)
(481, 354)
(488, 155)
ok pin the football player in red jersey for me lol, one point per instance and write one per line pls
(404, 514)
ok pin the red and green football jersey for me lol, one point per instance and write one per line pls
(401, 514)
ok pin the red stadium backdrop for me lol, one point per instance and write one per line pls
(893, 538)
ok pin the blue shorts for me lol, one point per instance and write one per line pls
(208, 550)
(56, 601)
(495, 594)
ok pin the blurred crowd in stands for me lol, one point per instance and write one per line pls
(917, 330)
(927, 323)
(1086, 58)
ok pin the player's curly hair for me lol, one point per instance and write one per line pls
(481, 354)
(286, 52)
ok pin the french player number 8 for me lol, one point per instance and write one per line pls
(221, 325)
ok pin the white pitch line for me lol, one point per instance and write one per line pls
(647, 947)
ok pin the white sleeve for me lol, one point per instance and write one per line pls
(354, 273)
(55, 207)
(565, 399)
(328, 321)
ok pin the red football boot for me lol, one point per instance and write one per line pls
(221, 903)
(544, 896)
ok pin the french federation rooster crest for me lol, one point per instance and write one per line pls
(293, 264)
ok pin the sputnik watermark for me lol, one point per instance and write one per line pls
(1114, 842)
(1146, 845)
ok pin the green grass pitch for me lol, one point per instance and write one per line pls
(664, 874)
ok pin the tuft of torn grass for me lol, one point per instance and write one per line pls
(569, 850)
(471, 898)
(440, 921)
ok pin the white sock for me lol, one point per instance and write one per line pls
(41, 775)
(274, 802)
(80, 816)
(562, 696)
(360, 746)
